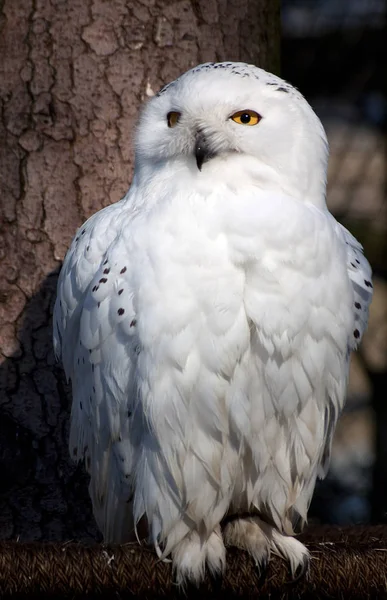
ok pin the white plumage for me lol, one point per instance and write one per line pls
(206, 322)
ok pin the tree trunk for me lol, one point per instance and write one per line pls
(72, 74)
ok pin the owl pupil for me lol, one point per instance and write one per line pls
(245, 118)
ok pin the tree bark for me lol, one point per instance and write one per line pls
(72, 75)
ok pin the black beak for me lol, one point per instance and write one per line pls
(202, 151)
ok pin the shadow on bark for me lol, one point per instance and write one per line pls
(43, 494)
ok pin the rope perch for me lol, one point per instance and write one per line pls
(346, 563)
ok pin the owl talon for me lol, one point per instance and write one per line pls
(263, 570)
(264, 564)
(247, 534)
(216, 582)
(301, 570)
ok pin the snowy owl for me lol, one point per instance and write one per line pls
(206, 322)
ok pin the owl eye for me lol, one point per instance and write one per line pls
(246, 117)
(173, 118)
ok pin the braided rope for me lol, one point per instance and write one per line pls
(346, 563)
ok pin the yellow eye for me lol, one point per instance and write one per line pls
(173, 118)
(246, 117)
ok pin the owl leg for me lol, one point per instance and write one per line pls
(291, 550)
(260, 539)
(192, 554)
(249, 534)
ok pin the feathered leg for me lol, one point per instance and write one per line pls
(260, 539)
(193, 553)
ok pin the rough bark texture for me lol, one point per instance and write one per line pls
(72, 74)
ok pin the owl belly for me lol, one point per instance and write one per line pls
(192, 331)
(241, 373)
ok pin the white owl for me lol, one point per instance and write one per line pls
(206, 322)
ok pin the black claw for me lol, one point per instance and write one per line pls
(263, 569)
(301, 570)
(264, 563)
(216, 582)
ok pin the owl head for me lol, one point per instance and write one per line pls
(233, 121)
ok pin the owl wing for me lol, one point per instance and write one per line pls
(94, 325)
(360, 275)
(293, 447)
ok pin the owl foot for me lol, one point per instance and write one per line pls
(193, 554)
(260, 539)
(292, 551)
(249, 534)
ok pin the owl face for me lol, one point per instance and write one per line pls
(236, 119)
